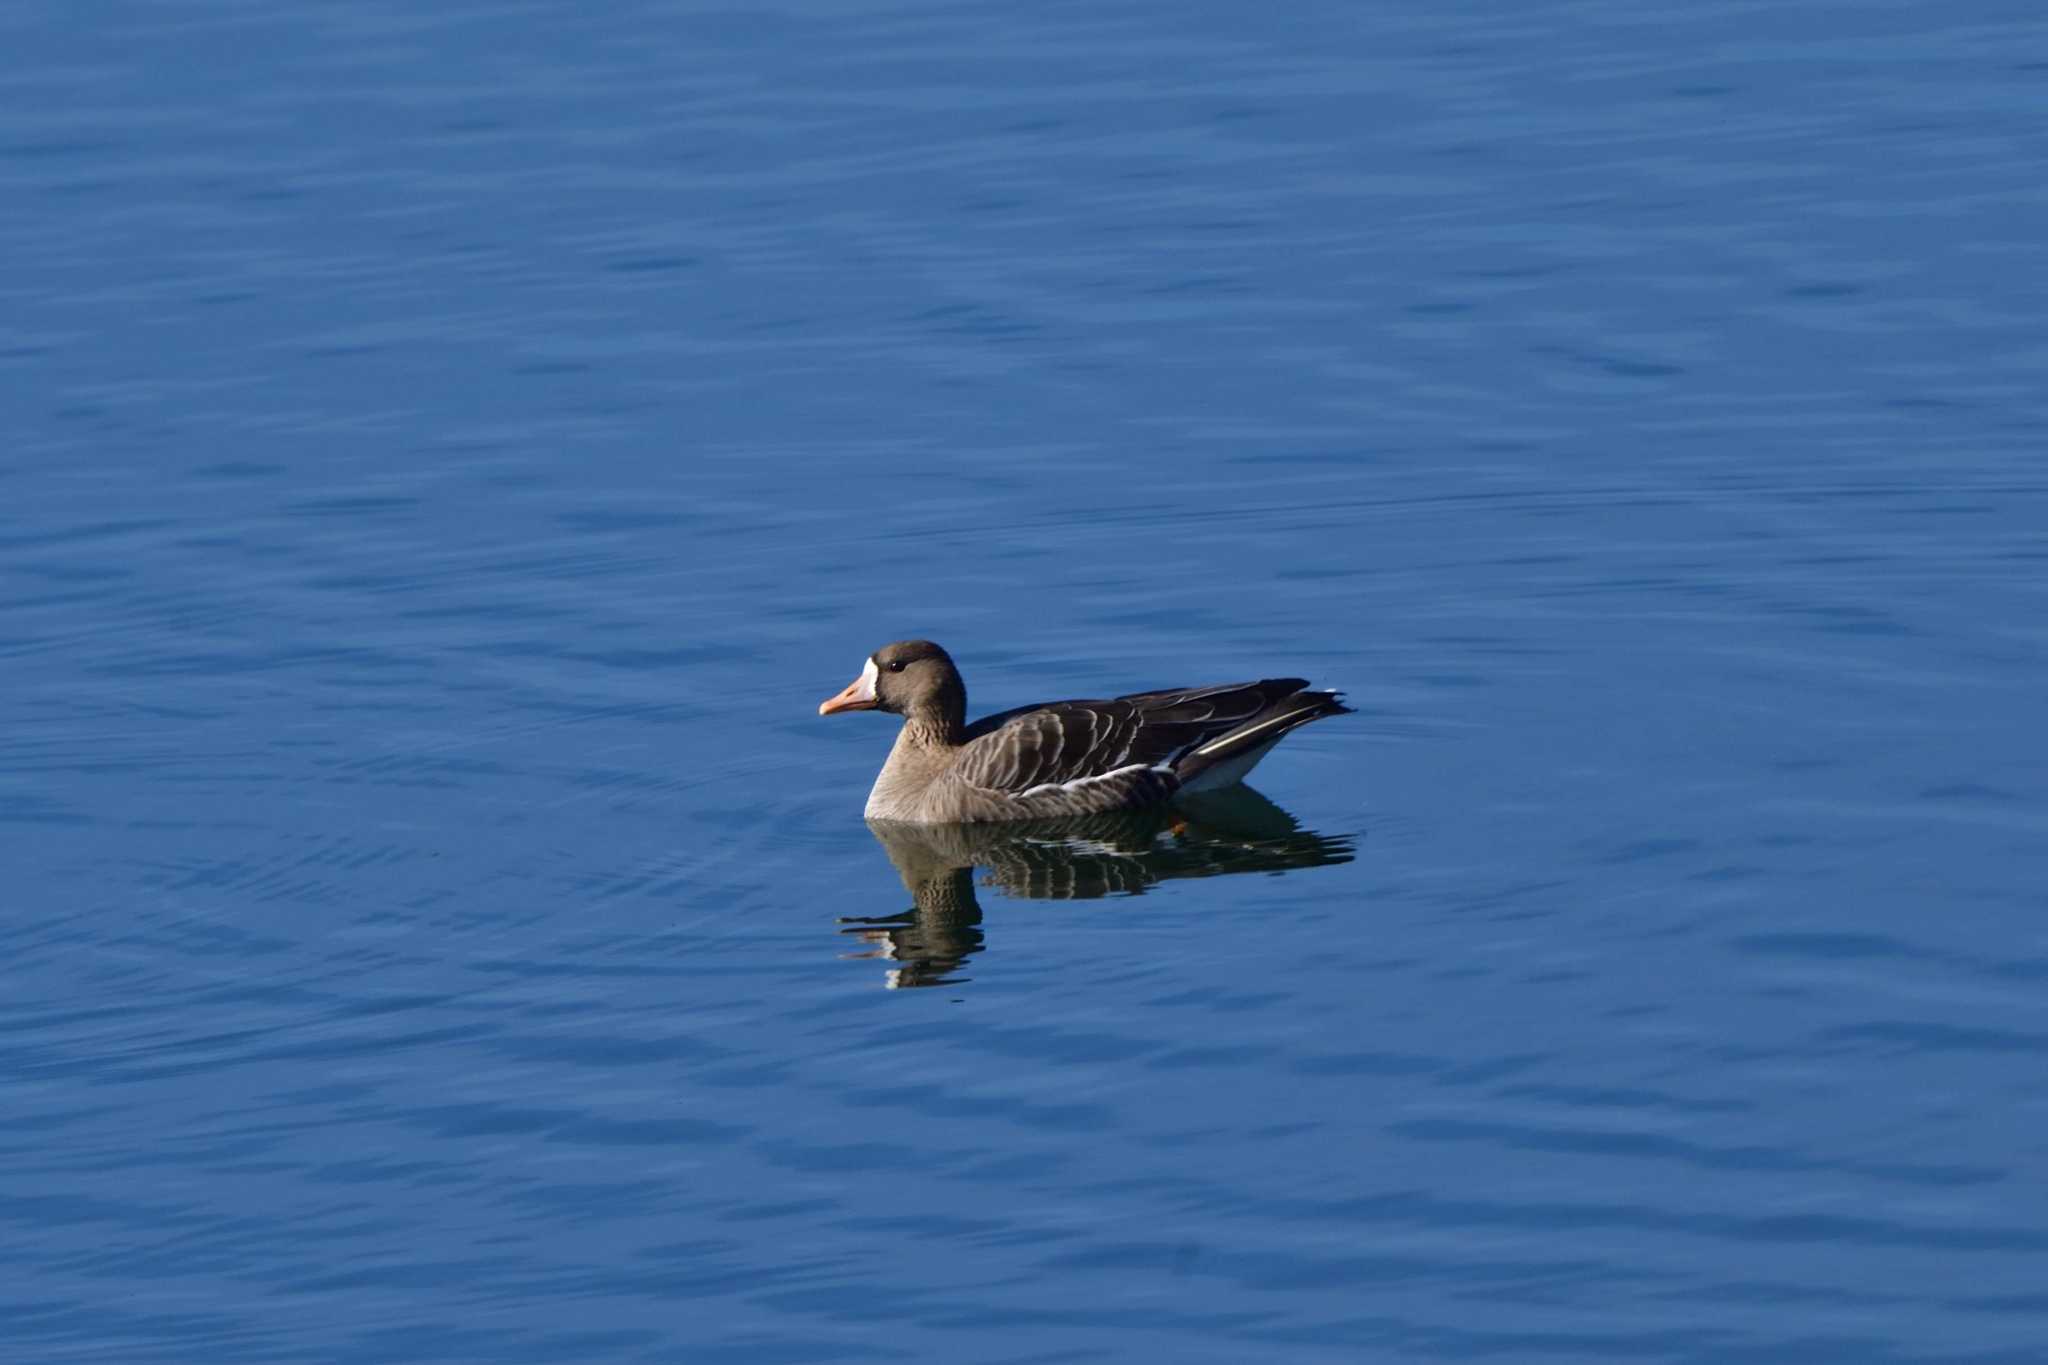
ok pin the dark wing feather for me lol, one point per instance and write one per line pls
(1070, 740)
(1172, 722)
(1050, 744)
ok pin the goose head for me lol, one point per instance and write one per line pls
(914, 679)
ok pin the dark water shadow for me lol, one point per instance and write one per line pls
(1086, 858)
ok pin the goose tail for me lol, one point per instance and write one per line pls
(1224, 760)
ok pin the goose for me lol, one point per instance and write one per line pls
(1062, 758)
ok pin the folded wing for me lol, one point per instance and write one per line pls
(1042, 749)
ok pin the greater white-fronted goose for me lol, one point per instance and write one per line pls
(1063, 758)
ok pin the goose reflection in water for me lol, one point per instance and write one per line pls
(1083, 858)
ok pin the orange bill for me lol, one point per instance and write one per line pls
(858, 696)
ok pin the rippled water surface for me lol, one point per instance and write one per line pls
(452, 448)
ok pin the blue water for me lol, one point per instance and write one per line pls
(451, 449)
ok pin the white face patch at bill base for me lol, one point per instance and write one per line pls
(858, 695)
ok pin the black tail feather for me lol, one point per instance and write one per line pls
(1286, 714)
